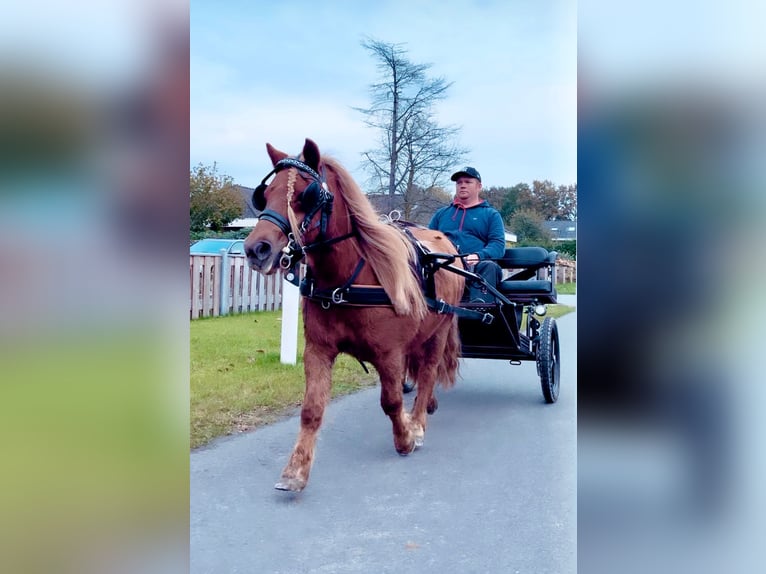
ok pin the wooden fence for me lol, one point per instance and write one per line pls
(566, 271)
(237, 289)
(241, 290)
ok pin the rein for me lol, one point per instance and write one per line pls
(348, 293)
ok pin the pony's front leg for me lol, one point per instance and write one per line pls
(391, 399)
(318, 370)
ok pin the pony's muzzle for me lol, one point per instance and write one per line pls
(260, 255)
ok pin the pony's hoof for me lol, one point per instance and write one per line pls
(408, 450)
(290, 484)
(432, 405)
(419, 434)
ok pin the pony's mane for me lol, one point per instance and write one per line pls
(388, 252)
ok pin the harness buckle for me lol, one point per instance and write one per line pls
(487, 318)
(291, 253)
(286, 261)
(337, 296)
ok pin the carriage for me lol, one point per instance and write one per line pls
(510, 328)
(389, 294)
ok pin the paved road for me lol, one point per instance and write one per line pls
(493, 490)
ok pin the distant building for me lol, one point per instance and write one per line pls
(563, 230)
(249, 214)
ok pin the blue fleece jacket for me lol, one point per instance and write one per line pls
(478, 229)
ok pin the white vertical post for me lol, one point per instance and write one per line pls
(290, 300)
(224, 282)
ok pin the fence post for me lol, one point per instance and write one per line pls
(224, 282)
(290, 300)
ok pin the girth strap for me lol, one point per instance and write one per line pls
(368, 296)
(375, 296)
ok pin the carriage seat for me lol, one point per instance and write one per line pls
(532, 279)
(526, 257)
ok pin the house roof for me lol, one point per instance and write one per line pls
(247, 194)
(241, 222)
(562, 230)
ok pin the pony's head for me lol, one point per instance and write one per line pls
(300, 216)
(296, 203)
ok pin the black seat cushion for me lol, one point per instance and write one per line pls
(535, 286)
(518, 257)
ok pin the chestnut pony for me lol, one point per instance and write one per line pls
(363, 294)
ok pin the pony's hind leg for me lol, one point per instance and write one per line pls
(425, 402)
(426, 367)
(318, 370)
(392, 402)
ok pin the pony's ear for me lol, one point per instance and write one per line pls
(311, 154)
(275, 154)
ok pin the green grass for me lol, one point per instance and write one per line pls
(566, 288)
(237, 380)
(559, 310)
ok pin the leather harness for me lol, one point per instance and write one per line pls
(350, 294)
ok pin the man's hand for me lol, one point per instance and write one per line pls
(472, 259)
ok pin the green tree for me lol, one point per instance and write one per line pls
(213, 200)
(512, 199)
(567, 248)
(508, 199)
(494, 195)
(543, 197)
(529, 229)
(546, 199)
(567, 195)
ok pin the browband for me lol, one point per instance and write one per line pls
(296, 163)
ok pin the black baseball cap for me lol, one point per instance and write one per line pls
(468, 171)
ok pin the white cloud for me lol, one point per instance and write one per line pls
(235, 134)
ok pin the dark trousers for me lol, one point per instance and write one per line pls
(493, 275)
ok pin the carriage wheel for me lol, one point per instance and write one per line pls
(408, 386)
(548, 357)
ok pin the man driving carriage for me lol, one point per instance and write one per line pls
(476, 229)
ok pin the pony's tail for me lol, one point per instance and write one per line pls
(447, 370)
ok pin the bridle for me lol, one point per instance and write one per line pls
(315, 200)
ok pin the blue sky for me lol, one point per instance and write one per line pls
(280, 72)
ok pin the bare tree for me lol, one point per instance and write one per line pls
(414, 152)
